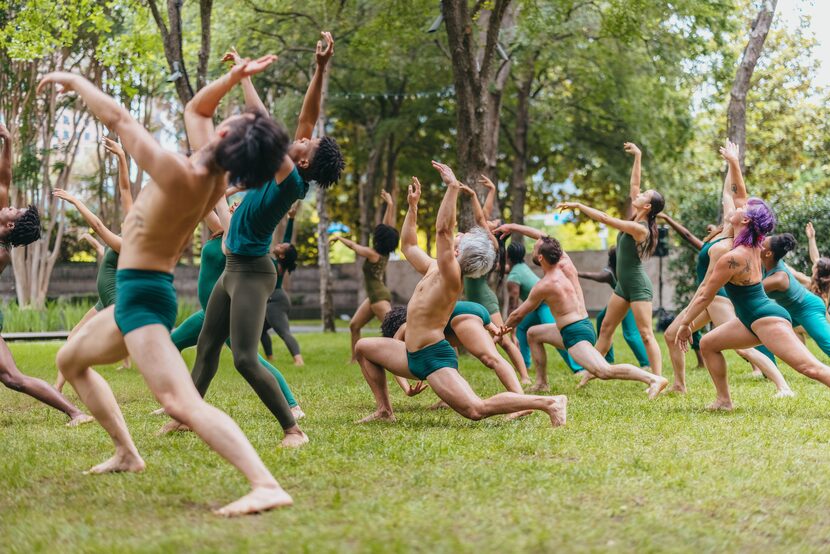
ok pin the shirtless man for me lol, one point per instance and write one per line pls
(573, 330)
(245, 150)
(430, 357)
(19, 227)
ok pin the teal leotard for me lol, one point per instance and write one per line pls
(106, 279)
(464, 307)
(633, 284)
(752, 303)
(703, 263)
(478, 291)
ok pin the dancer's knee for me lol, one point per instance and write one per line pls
(246, 362)
(473, 410)
(708, 346)
(67, 363)
(602, 372)
(12, 379)
(491, 360)
(812, 369)
(180, 407)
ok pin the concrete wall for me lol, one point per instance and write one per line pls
(78, 279)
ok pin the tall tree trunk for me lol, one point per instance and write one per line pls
(171, 38)
(736, 112)
(368, 189)
(326, 302)
(518, 179)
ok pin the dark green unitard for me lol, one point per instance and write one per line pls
(276, 311)
(633, 284)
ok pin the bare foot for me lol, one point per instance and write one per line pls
(80, 419)
(294, 440)
(171, 427)
(160, 411)
(298, 412)
(119, 463)
(526, 381)
(440, 405)
(517, 415)
(558, 410)
(539, 387)
(379, 416)
(786, 393)
(720, 405)
(657, 387)
(585, 377)
(258, 500)
(679, 389)
(298, 360)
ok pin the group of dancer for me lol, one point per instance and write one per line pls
(745, 289)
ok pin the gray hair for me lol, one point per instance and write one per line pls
(476, 254)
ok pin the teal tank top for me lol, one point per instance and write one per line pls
(795, 293)
(211, 268)
(522, 275)
(256, 217)
(703, 261)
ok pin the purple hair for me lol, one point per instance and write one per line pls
(761, 223)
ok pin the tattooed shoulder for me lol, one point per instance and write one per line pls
(732, 262)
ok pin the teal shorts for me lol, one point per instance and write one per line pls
(578, 331)
(430, 359)
(144, 297)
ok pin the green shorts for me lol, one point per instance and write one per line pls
(430, 359)
(578, 331)
(635, 287)
(144, 297)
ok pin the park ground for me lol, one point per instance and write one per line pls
(625, 474)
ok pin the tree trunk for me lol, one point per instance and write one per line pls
(736, 112)
(368, 189)
(205, 7)
(171, 39)
(518, 179)
(326, 302)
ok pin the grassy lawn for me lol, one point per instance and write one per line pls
(625, 474)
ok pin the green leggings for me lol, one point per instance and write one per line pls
(236, 309)
(186, 335)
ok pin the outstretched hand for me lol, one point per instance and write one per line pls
(447, 174)
(417, 388)
(324, 53)
(631, 148)
(252, 67)
(503, 331)
(684, 338)
(414, 193)
(466, 189)
(63, 195)
(113, 147)
(485, 181)
(63, 81)
(504, 229)
(562, 206)
(810, 230)
(233, 56)
(335, 238)
(729, 151)
(386, 197)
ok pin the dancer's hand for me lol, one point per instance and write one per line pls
(64, 195)
(503, 331)
(484, 181)
(811, 232)
(113, 147)
(386, 197)
(447, 174)
(414, 193)
(684, 338)
(504, 229)
(729, 151)
(466, 190)
(63, 81)
(335, 238)
(562, 206)
(233, 56)
(252, 67)
(631, 148)
(322, 53)
(295, 207)
(417, 388)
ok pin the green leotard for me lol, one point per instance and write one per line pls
(703, 263)
(478, 291)
(212, 266)
(373, 276)
(523, 276)
(464, 307)
(752, 303)
(633, 284)
(794, 296)
(106, 279)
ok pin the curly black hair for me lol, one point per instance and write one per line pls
(326, 165)
(393, 321)
(516, 252)
(252, 150)
(26, 228)
(781, 244)
(385, 239)
(288, 262)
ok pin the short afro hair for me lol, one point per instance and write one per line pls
(288, 262)
(253, 149)
(26, 228)
(393, 321)
(326, 166)
(385, 239)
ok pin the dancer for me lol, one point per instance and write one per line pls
(99, 248)
(759, 319)
(429, 356)
(246, 150)
(276, 311)
(573, 331)
(717, 244)
(805, 308)
(630, 332)
(236, 307)
(820, 279)
(520, 281)
(478, 290)
(636, 241)
(19, 227)
(378, 298)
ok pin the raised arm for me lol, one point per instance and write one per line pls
(199, 112)
(252, 99)
(513, 291)
(419, 259)
(124, 189)
(490, 199)
(687, 235)
(800, 277)
(389, 214)
(288, 234)
(478, 213)
(111, 239)
(634, 181)
(632, 228)
(5, 166)
(166, 168)
(99, 248)
(734, 186)
(597, 276)
(445, 225)
(310, 112)
(811, 244)
(362, 251)
(509, 228)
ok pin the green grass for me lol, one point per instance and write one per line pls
(625, 474)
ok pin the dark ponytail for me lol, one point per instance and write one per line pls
(647, 248)
(502, 257)
(781, 244)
